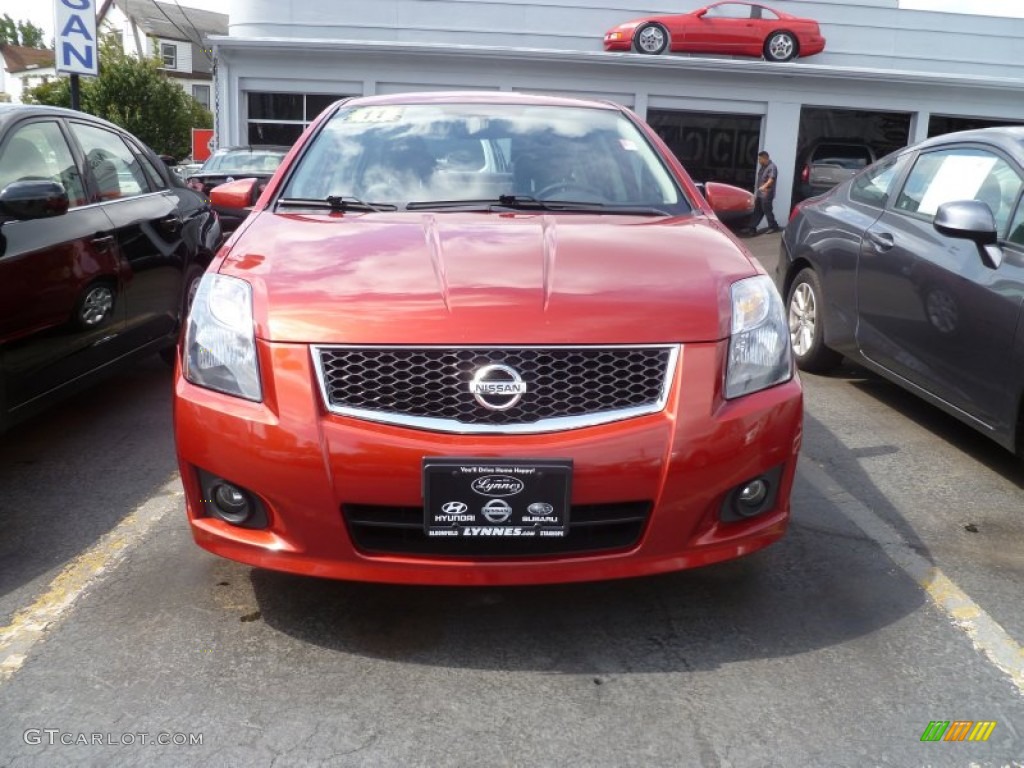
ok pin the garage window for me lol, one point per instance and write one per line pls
(280, 118)
(712, 147)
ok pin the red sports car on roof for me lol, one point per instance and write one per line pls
(485, 338)
(741, 29)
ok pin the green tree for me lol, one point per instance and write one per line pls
(135, 95)
(31, 35)
(22, 32)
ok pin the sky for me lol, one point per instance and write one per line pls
(40, 12)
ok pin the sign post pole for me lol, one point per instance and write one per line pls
(77, 52)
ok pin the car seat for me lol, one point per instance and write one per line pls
(410, 155)
(105, 173)
(21, 161)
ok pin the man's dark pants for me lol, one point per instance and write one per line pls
(763, 208)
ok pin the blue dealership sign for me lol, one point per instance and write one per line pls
(77, 50)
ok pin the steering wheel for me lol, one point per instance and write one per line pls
(580, 192)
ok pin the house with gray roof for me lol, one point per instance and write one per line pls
(175, 33)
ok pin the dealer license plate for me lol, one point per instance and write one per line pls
(496, 497)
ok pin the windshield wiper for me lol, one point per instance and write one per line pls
(607, 209)
(519, 202)
(335, 203)
(527, 203)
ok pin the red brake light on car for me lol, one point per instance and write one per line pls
(805, 174)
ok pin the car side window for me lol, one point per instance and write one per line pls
(39, 151)
(961, 173)
(155, 179)
(729, 11)
(872, 186)
(115, 169)
(1015, 234)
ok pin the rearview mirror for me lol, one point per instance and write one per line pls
(25, 200)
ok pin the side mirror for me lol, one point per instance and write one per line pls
(728, 202)
(241, 193)
(700, 13)
(971, 220)
(34, 200)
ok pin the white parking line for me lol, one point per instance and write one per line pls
(31, 624)
(986, 633)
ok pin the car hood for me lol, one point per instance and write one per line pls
(465, 278)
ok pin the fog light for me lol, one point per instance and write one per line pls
(231, 504)
(752, 497)
(753, 494)
(224, 500)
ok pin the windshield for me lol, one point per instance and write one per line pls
(244, 160)
(448, 153)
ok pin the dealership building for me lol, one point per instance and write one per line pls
(889, 76)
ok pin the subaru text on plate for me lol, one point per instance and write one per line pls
(486, 339)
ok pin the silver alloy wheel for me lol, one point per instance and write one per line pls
(781, 46)
(803, 319)
(97, 305)
(651, 39)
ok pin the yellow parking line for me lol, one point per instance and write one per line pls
(988, 636)
(30, 624)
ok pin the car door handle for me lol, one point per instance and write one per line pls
(882, 241)
(170, 225)
(102, 241)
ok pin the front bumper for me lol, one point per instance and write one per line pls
(621, 41)
(305, 465)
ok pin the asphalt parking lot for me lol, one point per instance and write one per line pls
(892, 603)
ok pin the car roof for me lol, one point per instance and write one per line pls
(1010, 138)
(479, 97)
(781, 14)
(11, 112)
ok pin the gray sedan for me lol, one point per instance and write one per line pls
(914, 268)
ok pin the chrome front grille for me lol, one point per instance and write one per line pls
(429, 387)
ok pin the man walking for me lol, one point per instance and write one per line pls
(764, 194)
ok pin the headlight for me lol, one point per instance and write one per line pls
(759, 348)
(220, 343)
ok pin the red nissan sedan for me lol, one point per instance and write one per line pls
(484, 338)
